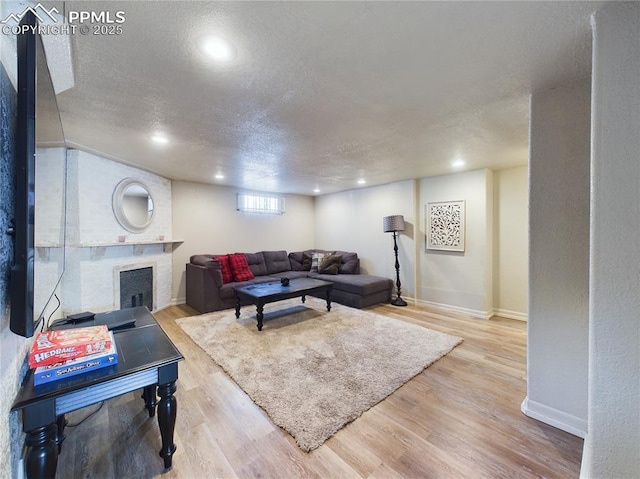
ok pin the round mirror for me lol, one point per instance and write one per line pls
(133, 205)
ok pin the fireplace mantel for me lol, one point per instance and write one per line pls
(98, 248)
(98, 244)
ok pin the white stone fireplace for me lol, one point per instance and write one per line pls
(92, 281)
(98, 248)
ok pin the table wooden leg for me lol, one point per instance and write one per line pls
(237, 307)
(260, 315)
(150, 399)
(59, 436)
(329, 299)
(167, 411)
(42, 452)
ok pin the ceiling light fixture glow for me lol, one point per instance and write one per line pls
(218, 48)
(159, 138)
(458, 163)
(362, 181)
(219, 176)
(316, 190)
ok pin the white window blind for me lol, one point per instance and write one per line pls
(260, 203)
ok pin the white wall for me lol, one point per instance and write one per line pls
(352, 221)
(49, 231)
(612, 445)
(559, 257)
(511, 249)
(205, 217)
(89, 281)
(462, 280)
(50, 206)
(92, 181)
(459, 281)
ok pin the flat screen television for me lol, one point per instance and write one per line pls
(40, 188)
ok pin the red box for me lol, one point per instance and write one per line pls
(52, 347)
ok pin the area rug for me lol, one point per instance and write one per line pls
(314, 371)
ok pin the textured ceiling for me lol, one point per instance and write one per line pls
(320, 93)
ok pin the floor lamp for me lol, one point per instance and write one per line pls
(393, 224)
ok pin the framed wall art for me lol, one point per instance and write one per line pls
(445, 225)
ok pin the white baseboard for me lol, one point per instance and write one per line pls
(447, 307)
(548, 415)
(505, 313)
(173, 302)
(177, 301)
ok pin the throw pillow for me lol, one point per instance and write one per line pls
(306, 261)
(316, 259)
(295, 260)
(240, 267)
(225, 268)
(330, 264)
(349, 263)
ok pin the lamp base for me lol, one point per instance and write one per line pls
(399, 302)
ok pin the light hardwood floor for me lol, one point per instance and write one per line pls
(460, 418)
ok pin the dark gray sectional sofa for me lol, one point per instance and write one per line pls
(206, 291)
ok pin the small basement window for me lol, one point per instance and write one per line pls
(260, 203)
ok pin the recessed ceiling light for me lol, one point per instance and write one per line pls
(458, 163)
(316, 190)
(218, 48)
(219, 176)
(362, 181)
(159, 138)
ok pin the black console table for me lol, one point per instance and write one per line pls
(147, 360)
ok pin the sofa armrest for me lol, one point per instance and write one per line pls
(211, 264)
(203, 286)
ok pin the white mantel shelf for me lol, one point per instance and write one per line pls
(98, 244)
(98, 248)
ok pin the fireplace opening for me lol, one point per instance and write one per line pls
(136, 288)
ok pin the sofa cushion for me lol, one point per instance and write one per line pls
(290, 274)
(306, 260)
(276, 261)
(256, 264)
(225, 268)
(361, 284)
(349, 263)
(300, 260)
(295, 260)
(330, 264)
(240, 267)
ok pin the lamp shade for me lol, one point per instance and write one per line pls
(393, 223)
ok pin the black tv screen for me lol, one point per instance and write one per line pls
(40, 187)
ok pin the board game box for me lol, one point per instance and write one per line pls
(73, 367)
(50, 347)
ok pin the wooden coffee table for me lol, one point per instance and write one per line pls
(263, 293)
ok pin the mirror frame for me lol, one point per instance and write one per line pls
(118, 210)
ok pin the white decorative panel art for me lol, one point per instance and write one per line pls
(445, 225)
